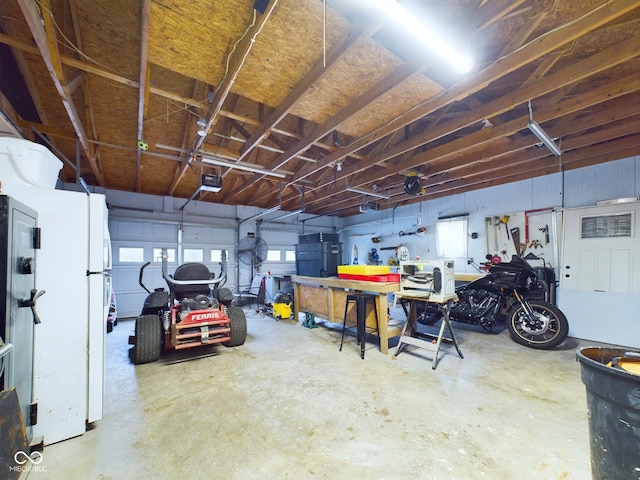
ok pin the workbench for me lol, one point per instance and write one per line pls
(326, 297)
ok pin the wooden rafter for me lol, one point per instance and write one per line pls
(337, 51)
(143, 90)
(235, 64)
(43, 32)
(501, 67)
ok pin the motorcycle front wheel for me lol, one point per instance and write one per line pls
(548, 329)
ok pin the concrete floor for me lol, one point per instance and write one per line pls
(288, 404)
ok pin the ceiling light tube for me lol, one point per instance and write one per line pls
(367, 192)
(266, 212)
(245, 166)
(264, 147)
(288, 214)
(544, 138)
(407, 21)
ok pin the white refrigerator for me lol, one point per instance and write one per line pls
(72, 266)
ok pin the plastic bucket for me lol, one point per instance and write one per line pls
(613, 403)
(27, 163)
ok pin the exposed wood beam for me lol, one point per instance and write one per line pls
(537, 48)
(12, 116)
(235, 64)
(143, 90)
(533, 166)
(24, 69)
(400, 74)
(522, 159)
(179, 99)
(523, 34)
(86, 90)
(491, 13)
(523, 166)
(337, 51)
(569, 75)
(449, 155)
(43, 32)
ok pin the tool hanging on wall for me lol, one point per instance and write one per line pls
(535, 244)
(496, 223)
(417, 231)
(545, 230)
(505, 219)
(515, 235)
(378, 239)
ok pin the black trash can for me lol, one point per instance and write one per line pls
(613, 403)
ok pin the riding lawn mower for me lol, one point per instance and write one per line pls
(196, 311)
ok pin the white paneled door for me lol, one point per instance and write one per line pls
(600, 273)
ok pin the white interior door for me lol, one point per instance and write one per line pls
(600, 273)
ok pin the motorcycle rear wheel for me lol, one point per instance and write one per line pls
(550, 332)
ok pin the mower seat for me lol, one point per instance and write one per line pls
(190, 271)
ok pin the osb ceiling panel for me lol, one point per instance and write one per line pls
(300, 94)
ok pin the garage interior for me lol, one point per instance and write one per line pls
(210, 129)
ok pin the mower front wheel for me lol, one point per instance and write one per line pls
(238, 326)
(148, 339)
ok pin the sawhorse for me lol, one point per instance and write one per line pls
(410, 334)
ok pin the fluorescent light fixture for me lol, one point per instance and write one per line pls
(288, 214)
(266, 212)
(248, 167)
(262, 147)
(544, 138)
(367, 192)
(407, 21)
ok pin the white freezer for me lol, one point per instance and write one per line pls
(69, 343)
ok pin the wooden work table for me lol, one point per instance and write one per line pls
(326, 298)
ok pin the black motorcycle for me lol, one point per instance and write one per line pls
(513, 287)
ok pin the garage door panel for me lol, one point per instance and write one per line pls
(127, 230)
(214, 236)
(149, 235)
(164, 232)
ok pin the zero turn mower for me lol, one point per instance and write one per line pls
(196, 311)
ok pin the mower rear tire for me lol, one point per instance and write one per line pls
(148, 339)
(238, 326)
